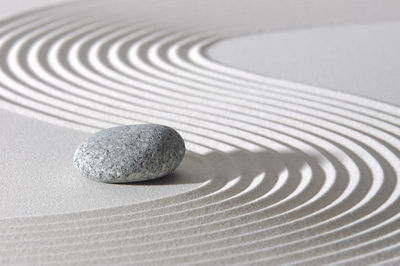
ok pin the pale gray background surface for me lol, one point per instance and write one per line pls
(358, 59)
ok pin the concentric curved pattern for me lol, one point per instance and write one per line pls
(302, 175)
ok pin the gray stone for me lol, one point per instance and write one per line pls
(130, 153)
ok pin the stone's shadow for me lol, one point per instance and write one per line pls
(196, 169)
(176, 178)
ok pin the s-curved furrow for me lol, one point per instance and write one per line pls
(302, 175)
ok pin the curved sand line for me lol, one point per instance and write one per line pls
(301, 174)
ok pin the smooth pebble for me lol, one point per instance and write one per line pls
(130, 153)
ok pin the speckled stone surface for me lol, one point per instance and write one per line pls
(130, 153)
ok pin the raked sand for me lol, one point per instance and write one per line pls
(276, 172)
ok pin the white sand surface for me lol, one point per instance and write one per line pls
(277, 171)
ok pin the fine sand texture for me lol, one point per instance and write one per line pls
(291, 126)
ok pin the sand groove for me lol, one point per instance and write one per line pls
(302, 174)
